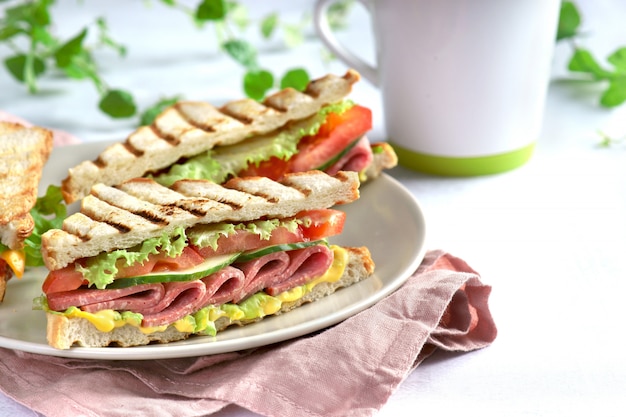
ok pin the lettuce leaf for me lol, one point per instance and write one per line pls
(100, 270)
(48, 213)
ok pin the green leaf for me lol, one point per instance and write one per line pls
(618, 59)
(48, 213)
(269, 24)
(569, 21)
(148, 116)
(615, 94)
(32, 13)
(17, 66)
(106, 40)
(257, 83)
(241, 51)
(296, 78)
(583, 61)
(7, 32)
(77, 72)
(40, 34)
(40, 15)
(211, 10)
(238, 14)
(293, 35)
(338, 14)
(71, 48)
(118, 104)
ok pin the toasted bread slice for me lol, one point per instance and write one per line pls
(23, 153)
(190, 128)
(384, 158)
(124, 216)
(64, 332)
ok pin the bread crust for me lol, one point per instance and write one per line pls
(64, 332)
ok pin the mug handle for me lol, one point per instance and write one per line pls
(320, 20)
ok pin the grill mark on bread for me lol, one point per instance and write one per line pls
(151, 217)
(131, 149)
(311, 89)
(242, 118)
(98, 162)
(172, 140)
(275, 106)
(233, 205)
(192, 210)
(202, 126)
(122, 228)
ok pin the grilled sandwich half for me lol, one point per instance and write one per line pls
(23, 153)
(239, 131)
(144, 263)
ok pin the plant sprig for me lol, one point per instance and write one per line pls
(27, 29)
(582, 60)
(30, 24)
(607, 141)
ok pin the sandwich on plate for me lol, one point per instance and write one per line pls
(23, 153)
(290, 131)
(142, 262)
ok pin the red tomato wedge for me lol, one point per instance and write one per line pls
(65, 279)
(339, 131)
(243, 241)
(336, 134)
(315, 225)
(274, 168)
(322, 223)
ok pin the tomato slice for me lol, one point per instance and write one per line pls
(322, 223)
(189, 258)
(337, 133)
(274, 168)
(65, 279)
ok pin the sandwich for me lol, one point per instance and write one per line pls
(290, 131)
(23, 153)
(142, 262)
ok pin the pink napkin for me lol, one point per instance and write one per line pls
(350, 369)
(60, 137)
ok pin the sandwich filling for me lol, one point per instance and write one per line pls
(330, 141)
(194, 277)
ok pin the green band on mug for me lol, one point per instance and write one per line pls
(463, 166)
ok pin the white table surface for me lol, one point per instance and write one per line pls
(550, 237)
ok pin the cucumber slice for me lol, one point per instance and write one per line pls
(202, 270)
(253, 254)
(209, 266)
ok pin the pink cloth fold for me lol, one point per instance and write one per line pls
(349, 369)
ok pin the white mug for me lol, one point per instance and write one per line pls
(463, 82)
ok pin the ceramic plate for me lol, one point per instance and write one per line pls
(387, 219)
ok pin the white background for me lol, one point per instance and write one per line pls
(549, 237)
